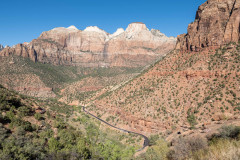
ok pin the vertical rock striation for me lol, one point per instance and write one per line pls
(137, 46)
(217, 23)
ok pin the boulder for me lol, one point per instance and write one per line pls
(187, 133)
(224, 116)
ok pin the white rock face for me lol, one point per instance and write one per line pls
(98, 30)
(173, 39)
(94, 29)
(118, 32)
(72, 27)
(6, 46)
(64, 30)
(1, 47)
(25, 43)
(136, 27)
(157, 32)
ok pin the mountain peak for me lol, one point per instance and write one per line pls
(72, 27)
(136, 27)
(94, 29)
(118, 32)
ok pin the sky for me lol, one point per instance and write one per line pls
(24, 20)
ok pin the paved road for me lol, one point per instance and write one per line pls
(146, 140)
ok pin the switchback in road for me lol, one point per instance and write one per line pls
(146, 140)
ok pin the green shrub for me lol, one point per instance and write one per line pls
(153, 139)
(228, 131)
(191, 120)
(37, 116)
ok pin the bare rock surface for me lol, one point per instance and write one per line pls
(1, 47)
(217, 23)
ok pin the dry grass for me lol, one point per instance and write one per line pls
(222, 149)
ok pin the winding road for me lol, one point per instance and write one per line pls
(146, 140)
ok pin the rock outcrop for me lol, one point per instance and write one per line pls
(1, 47)
(94, 47)
(217, 23)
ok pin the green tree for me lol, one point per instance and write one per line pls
(53, 145)
(82, 148)
(191, 120)
(24, 110)
(161, 149)
(153, 139)
(37, 116)
(66, 136)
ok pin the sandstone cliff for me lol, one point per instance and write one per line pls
(217, 23)
(94, 47)
(1, 47)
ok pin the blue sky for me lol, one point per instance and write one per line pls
(24, 20)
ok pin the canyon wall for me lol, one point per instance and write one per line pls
(217, 23)
(1, 47)
(137, 46)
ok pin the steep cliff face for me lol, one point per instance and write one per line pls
(217, 23)
(20, 50)
(1, 47)
(94, 47)
(137, 39)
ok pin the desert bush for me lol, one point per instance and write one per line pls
(153, 139)
(157, 152)
(20, 131)
(191, 120)
(186, 146)
(220, 149)
(38, 116)
(228, 131)
(24, 110)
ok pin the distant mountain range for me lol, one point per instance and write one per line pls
(136, 46)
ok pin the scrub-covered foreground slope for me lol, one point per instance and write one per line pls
(36, 129)
(185, 88)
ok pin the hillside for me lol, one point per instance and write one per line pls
(184, 102)
(32, 128)
(185, 88)
(182, 89)
(46, 80)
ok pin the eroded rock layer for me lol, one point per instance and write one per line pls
(94, 47)
(217, 23)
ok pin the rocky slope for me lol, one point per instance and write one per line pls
(217, 23)
(94, 47)
(45, 80)
(180, 91)
(185, 88)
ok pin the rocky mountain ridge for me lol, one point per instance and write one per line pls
(136, 46)
(217, 23)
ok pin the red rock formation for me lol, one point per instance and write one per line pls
(217, 23)
(20, 50)
(94, 47)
